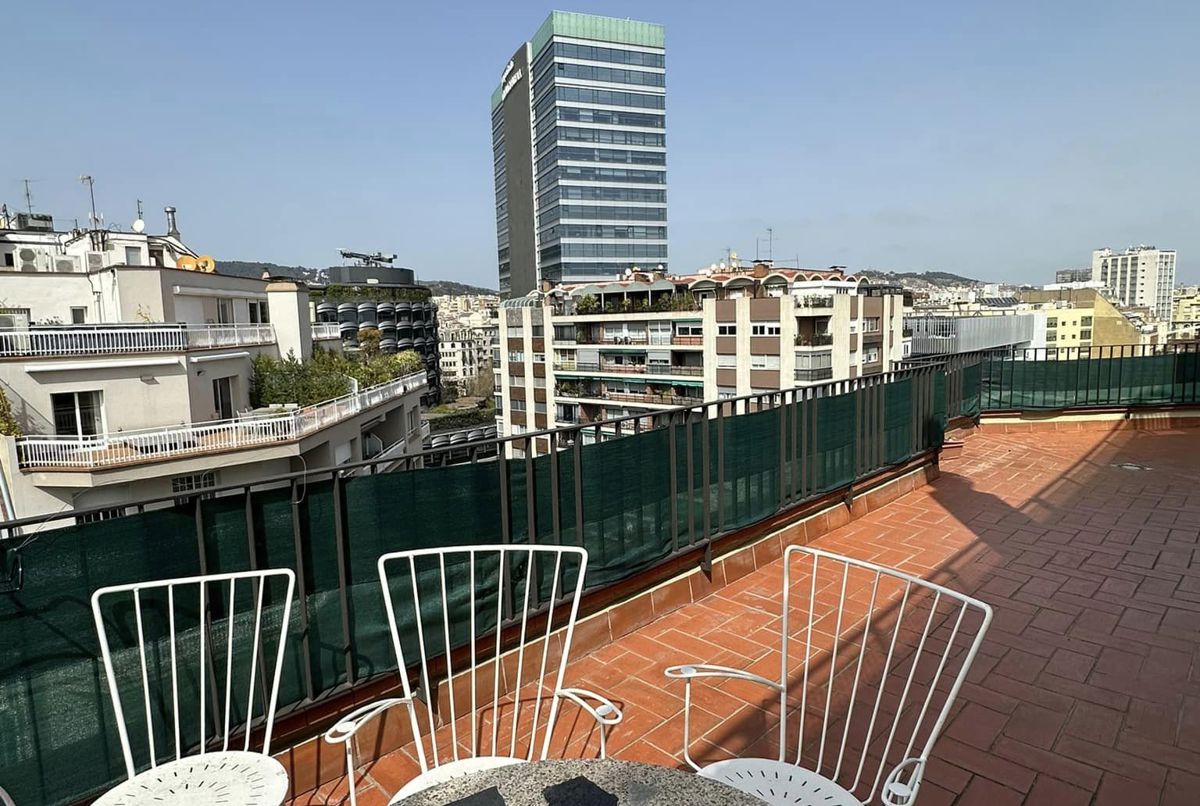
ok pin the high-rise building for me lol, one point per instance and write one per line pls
(579, 144)
(1141, 276)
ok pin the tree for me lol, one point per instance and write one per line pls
(368, 342)
(483, 384)
(9, 426)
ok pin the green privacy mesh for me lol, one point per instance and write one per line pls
(1142, 380)
(631, 502)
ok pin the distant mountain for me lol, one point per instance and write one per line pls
(922, 279)
(451, 288)
(252, 268)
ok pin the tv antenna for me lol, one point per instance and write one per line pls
(139, 223)
(28, 196)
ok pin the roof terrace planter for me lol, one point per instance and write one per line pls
(370, 293)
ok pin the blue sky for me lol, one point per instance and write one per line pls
(998, 140)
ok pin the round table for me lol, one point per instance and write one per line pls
(228, 778)
(581, 783)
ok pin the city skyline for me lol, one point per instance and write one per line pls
(943, 132)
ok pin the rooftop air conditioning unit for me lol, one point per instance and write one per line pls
(66, 264)
(95, 261)
(27, 259)
(14, 319)
(36, 222)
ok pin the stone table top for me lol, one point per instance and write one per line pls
(594, 782)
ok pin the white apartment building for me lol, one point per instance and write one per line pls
(591, 352)
(467, 335)
(126, 360)
(1141, 276)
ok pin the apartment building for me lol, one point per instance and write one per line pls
(1185, 316)
(468, 333)
(1083, 275)
(127, 362)
(591, 352)
(1141, 276)
(1084, 317)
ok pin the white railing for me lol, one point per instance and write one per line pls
(93, 340)
(323, 331)
(155, 444)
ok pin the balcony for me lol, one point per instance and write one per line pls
(628, 369)
(815, 301)
(139, 446)
(814, 339)
(814, 374)
(115, 340)
(688, 341)
(326, 331)
(1075, 521)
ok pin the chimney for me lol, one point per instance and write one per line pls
(172, 230)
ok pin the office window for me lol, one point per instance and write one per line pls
(764, 362)
(765, 329)
(77, 414)
(726, 330)
(78, 316)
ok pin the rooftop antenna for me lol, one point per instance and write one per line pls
(139, 223)
(91, 183)
(28, 197)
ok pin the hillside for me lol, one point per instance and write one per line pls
(915, 279)
(252, 268)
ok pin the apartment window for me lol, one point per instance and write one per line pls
(765, 329)
(224, 312)
(764, 362)
(516, 356)
(414, 419)
(726, 330)
(1085, 321)
(258, 312)
(689, 330)
(537, 331)
(133, 256)
(78, 414)
(1085, 335)
(726, 361)
(223, 397)
(1052, 335)
(101, 515)
(191, 483)
(870, 355)
(1052, 322)
(156, 257)
(518, 405)
(726, 392)
(871, 324)
(539, 358)
(78, 316)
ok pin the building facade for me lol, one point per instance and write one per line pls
(127, 363)
(591, 352)
(1073, 275)
(1185, 318)
(579, 149)
(1083, 317)
(1141, 276)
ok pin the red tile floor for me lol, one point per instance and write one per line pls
(1087, 687)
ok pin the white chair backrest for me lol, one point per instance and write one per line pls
(887, 653)
(193, 662)
(532, 593)
(5, 800)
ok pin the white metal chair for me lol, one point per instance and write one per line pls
(476, 601)
(193, 667)
(5, 800)
(866, 683)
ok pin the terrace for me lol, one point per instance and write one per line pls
(1072, 509)
(90, 340)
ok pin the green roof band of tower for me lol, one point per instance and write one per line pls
(592, 26)
(601, 29)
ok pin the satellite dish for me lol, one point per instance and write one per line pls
(206, 264)
(139, 225)
(186, 262)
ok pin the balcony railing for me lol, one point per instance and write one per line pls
(99, 340)
(327, 527)
(814, 340)
(815, 301)
(324, 331)
(815, 374)
(169, 442)
(688, 341)
(627, 369)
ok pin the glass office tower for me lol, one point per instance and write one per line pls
(579, 142)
